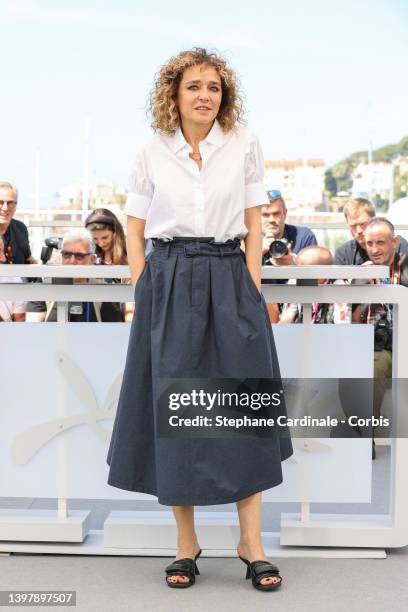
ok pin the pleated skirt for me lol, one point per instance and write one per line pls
(198, 314)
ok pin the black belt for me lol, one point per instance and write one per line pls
(191, 246)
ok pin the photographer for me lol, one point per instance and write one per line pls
(321, 313)
(15, 235)
(381, 245)
(358, 212)
(77, 249)
(281, 242)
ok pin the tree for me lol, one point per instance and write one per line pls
(330, 183)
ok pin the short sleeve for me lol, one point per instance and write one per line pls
(310, 239)
(141, 190)
(255, 192)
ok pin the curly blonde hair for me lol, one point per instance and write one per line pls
(162, 99)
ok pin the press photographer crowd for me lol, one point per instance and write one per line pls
(102, 242)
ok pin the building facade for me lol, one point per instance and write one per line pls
(301, 181)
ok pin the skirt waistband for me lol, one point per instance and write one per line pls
(194, 246)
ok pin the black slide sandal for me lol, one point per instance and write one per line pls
(262, 569)
(183, 567)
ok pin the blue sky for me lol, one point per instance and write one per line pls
(320, 78)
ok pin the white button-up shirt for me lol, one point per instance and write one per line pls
(176, 198)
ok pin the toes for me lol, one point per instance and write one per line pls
(270, 580)
(175, 579)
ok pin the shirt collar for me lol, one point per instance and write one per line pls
(215, 136)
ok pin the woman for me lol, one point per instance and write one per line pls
(110, 245)
(197, 190)
(109, 237)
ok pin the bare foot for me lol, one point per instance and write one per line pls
(255, 552)
(186, 550)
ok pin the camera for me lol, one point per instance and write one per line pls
(278, 248)
(53, 242)
(383, 334)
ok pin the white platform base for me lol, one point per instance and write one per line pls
(94, 545)
(138, 529)
(337, 530)
(36, 525)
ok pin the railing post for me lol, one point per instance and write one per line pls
(62, 318)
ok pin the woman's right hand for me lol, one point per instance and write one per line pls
(135, 247)
(134, 282)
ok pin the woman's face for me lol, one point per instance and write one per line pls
(199, 95)
(103, 238)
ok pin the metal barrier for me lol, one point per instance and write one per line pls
(302, 530)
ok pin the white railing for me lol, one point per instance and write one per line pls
(318, 225)
(305, 529)
(124, 293)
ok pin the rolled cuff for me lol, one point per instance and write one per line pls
(255, 195)
(137, 205)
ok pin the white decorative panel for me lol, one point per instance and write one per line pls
(58, 392)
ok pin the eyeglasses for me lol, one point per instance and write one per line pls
(274, 194)
(78, 256)
(8, 203)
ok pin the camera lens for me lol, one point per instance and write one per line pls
(278, 248)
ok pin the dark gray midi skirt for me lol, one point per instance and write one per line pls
(198, 314)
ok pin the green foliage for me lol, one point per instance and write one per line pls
(341, 173)
(330, 183)
(400, 187)
(381, 204)
(389, 152)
